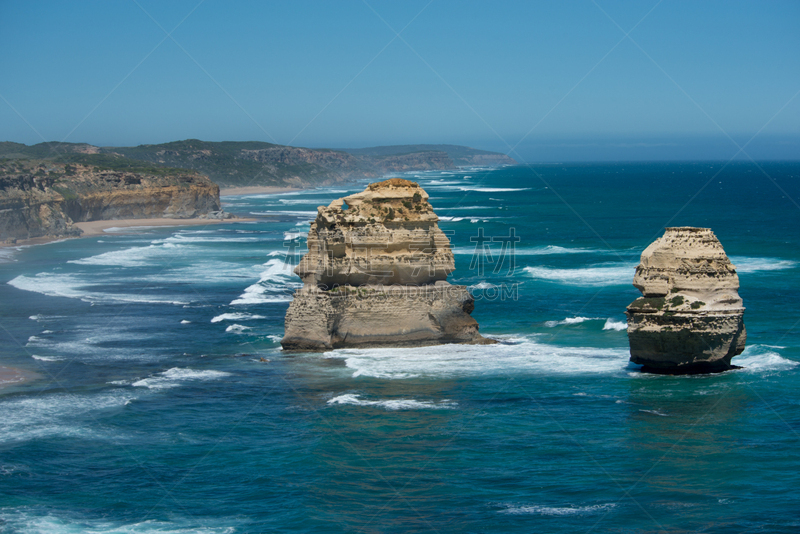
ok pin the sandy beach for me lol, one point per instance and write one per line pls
(255, 190)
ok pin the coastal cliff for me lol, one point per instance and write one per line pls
(690, 316)
(44, 198)
(376, 275)
(253, 163)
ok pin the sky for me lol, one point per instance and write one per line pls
(543, 81)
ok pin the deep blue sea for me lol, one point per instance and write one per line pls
(165, 404)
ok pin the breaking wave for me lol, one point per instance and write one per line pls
(174, 377)
(276, 284)
(611, 324)
(392, 405)
(558, 510)
(517, 356)
(751, 265)
(73, 286)
(600, 275)
(572, 320)
(236, 317)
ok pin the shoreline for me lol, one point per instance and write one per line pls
(256, 190)
(95, 228)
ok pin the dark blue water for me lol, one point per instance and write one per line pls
(164, 404)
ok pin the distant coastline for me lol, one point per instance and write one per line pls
(253, 163)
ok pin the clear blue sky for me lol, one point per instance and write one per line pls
(554, 80)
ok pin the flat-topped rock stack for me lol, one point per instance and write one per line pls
(689, 318)
(376, 275)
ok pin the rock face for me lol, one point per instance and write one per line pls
(689, 318)
(376, 275)
(45, 198)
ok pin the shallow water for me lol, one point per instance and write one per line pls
(166, 405)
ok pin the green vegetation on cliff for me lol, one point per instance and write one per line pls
(244, 163)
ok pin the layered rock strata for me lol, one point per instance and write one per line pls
(690, 316)
(44, 198)
(376, 275)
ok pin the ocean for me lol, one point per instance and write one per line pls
(164, 403)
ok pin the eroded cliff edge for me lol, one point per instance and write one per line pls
(376, 275)
(690, 316)
(44, 198)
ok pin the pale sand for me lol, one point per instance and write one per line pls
(11, 376)
(255, 190)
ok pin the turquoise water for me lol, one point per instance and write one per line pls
(165, 404)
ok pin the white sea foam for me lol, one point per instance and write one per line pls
(118, 229)
(189, 239)
(61, 414)
(200, 272)
(186, 322)
(311, 214)
(466, 208)
(392, 405)
(296, 201)
(751, 265)
(73, 286)
(572, 320)
(762, 358)
(236, 317)
(174, 377)
(442, 182)
(558, 510)
(611, 324)
(540, 251)
(275, 285)
(445, 361)
(131, 257)
(89, 343)
(237, 328)
(276, 339)
(46, 358)
(493, 189)
(35, 521)
(483, 285)
(7, 255)
(598, 275)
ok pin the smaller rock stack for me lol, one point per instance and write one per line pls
(689, 318)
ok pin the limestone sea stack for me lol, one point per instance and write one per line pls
(376, 275)
(689, 318)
